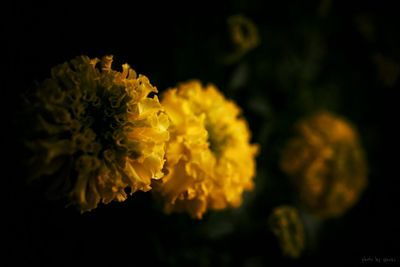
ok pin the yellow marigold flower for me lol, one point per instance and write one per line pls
(209, 159)
(286, 224)
(97, 132)
(326, 163)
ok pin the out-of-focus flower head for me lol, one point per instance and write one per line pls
(96, 133)
(210, 162)
(243, 32)
(286, 224)
(326, 163)
(244, 36)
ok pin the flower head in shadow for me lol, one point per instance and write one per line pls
(96, 132)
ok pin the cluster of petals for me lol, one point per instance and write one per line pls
(100, 135)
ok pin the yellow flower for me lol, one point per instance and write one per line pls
(326, 163)
(210, 162)
(97, 132)
(286, 224)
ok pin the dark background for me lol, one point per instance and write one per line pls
(319, 54)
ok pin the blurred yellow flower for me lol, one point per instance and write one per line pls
(287, 226)
(97, 132)
(326, 163)
(210, 162)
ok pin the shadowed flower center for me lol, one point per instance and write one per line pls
(105, 117)
(217, 138)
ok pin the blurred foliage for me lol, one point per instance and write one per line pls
(314, 55)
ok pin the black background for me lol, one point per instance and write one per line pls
(308, 59)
